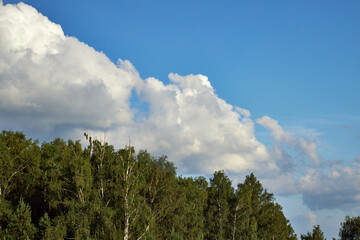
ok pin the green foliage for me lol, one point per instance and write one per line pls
(98, 192)
(256, 215)
(174, 236)
(20, 226)
(190, 217)
(350, 228)
(220, 193)
(49, 231)
(316, 234)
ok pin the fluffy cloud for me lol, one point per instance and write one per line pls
(282, 136)
(331, 186)
(49, 81)
(336, 188)
(189, 122)
(199, 131)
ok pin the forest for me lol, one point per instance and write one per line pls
(62, 190)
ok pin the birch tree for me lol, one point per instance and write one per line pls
(220, 193)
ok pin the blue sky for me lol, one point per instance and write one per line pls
(279, 59)
(303, 50)
(296, 62)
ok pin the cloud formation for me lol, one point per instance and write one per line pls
(50, 82)
(48, 79)
(282, 136)
(329, 187)
(312, 218)
(190, 123)
(336, 188)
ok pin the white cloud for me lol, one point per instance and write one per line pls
(357, 161)
(51, 82)
(311, 218)
(329, 187)
(282, 136)
(281, 183)
(196, 129)
(48, 79)
(336, 188)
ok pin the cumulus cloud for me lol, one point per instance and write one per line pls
(336, 188)
(288, 138)
(281, 183)
(332, 186)
(198, 130)
(50, 81)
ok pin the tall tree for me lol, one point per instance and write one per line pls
(256, 215)
(20, 226)
(130, 182)
(220, 194)
(106, 168)
(67, 184)
(50, 231)
(317, 234)
(19, 169)
(189, 216)
(161, 192)
(125, 187)
(350, 228)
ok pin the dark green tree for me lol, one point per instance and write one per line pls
(161, 192)
(20, 226)
(106, 166)
(49, 231)
(317, 234)
(19, 171)
(220, 194)
(256, 215)
(350, 228)
(67, 187)
(174, 236)
(189, 216)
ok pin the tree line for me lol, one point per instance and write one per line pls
(61, 190)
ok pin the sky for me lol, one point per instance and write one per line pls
(270, 87)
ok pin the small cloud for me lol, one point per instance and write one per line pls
(311, 218)
(336, 188)
(243, 112)
(288, 138)
(357, 161)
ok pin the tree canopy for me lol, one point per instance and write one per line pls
(350, 229)
(61, 190)
(317, 234)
